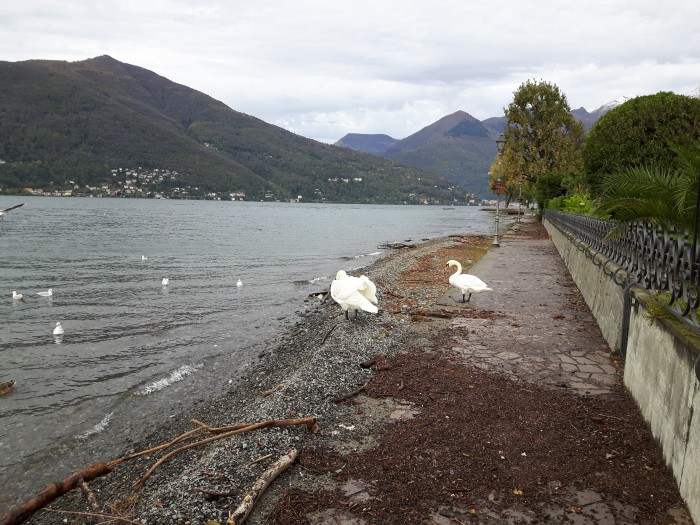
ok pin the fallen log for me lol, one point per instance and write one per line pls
(238, 516)
(51, 492)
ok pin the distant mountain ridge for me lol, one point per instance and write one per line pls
(457, 147)
(72, 124)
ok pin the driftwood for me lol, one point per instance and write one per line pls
(104, 518)
(434, 313)
(89, 495)
(310, 422)
(238, 516)
(328, 333)
(51, 492)
(187, 435)
(351, 394)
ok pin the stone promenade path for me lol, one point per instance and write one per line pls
(544, 331)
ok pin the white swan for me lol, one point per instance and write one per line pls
(165, 281)
(6, 210)
(47, 293)
(239, 283)
(17, 296)
(354, 293)
(467, 283)
(58, 330)
(144, 258)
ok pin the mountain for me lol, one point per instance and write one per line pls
(367, 143)
(76, 124)
(457, 147)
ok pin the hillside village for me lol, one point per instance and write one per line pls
(136, 182)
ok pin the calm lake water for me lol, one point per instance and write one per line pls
(135, 352)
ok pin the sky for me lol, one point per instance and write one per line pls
(322, 69)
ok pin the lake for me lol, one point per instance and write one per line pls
(136, 352)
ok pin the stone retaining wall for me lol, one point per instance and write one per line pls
(661, 353)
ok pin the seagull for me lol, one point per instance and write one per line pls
(467, 283)
(17, 296)
(144, 258)
(165, 281)
(58, 330)
(4, 212)
(239, 283)
(47, 293)
(354, 293)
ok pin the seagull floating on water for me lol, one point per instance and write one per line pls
(239, 283)
(58, 330)
(467, 283)
(47, 293)
(165, 281)
(6, 210)
(144, 258)
(17, 296)
(354, 293)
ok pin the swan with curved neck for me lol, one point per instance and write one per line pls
(467, 283)
(354, 293)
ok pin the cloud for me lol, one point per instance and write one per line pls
(324, 69)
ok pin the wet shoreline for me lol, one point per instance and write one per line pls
(296, 376)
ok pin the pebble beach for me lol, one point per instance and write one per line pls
(299, 377)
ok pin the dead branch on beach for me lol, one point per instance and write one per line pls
(51, 492)
(351, 394)
(238, 516)
(310, 422)
(89, 495)
(328, 333)
(441, 314)
(106, 517)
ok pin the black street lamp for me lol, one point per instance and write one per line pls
(520, 196)
(500, 143)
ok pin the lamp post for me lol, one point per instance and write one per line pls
(520, 196)
(500, 142)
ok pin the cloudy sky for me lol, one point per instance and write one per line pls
(323, 69)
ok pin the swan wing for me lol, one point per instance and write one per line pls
(368, 289)
(347, 293)
(469, 283)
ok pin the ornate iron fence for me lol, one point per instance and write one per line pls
(665, 263)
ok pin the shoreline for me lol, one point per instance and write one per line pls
(314, 361)
(468, 412)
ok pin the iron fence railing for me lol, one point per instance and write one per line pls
(665, 263)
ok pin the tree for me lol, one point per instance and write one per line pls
(657, 194)
(641, 132)
(541, 134)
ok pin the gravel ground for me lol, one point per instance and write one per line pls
(317, 361)
(423, 434)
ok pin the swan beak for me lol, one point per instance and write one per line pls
(446, 267)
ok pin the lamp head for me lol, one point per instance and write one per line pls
(500, 143)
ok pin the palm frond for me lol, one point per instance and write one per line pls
(648, 193)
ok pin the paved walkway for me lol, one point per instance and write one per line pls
(539, 330)
(545, 332)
